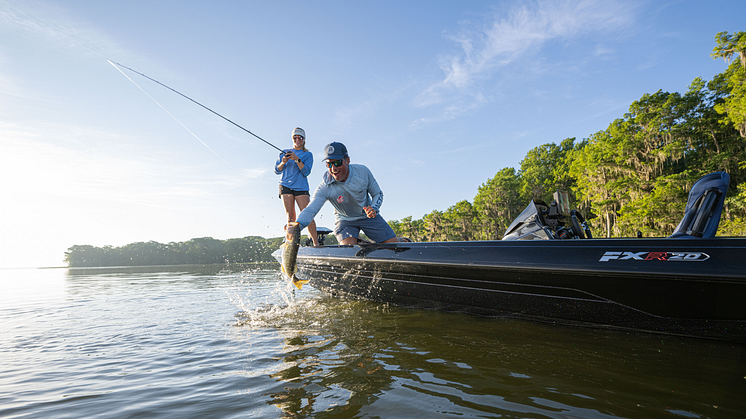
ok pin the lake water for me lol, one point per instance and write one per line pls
(202, 342)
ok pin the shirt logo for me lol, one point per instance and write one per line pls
(340, 199)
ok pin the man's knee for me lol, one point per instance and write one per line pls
(348, 241)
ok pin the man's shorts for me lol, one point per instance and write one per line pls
(377, 229)
(284, 190)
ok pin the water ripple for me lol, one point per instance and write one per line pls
(204, 343)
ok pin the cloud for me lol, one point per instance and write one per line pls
(115, 173)
(347, 118)
(451, 111)
(247, 173)
(417, 163)
(507, 38)
(602, 51)
(53, 24)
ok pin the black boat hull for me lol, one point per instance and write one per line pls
(681, 287)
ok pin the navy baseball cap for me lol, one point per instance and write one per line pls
(335, 151)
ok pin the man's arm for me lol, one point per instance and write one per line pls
(376, 194)
(319, 199)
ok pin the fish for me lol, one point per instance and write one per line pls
(290, 255)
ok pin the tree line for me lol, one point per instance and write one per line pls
(204, 250)
(634, 176)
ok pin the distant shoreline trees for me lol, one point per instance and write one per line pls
(205, 250)
(199, 251)
(633, 176)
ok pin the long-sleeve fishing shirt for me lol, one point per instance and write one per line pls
(294, 177)
(359, 190)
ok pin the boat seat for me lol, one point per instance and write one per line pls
(703, 209)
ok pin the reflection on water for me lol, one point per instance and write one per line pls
(224, 341)
(357, 358)
(209, 270)
(28, 287)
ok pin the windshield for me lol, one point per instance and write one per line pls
(528, 226)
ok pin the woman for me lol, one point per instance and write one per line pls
(295, 166)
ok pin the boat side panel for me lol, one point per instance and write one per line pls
(507, 301)
(676, 285)
(654, 294)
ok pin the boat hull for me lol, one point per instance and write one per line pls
(681, 287)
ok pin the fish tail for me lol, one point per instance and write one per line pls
(299, 282)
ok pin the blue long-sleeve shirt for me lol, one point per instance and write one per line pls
(292, 176)
(359, 190)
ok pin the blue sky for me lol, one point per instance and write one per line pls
(434, 97)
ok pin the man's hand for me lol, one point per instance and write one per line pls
(370, 212)
(291, 229)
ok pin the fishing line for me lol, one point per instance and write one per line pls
(172, 116)
(115, 64)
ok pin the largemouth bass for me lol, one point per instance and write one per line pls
(290, 254)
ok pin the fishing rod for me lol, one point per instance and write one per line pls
(114, 63)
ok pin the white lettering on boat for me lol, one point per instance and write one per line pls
(661, 256)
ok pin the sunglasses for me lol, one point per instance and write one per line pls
(335, 163)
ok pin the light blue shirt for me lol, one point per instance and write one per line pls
(292, 176)
(359, 190)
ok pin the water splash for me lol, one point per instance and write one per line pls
(267, 299)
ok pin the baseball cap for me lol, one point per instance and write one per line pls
(335, 151)
(299, 131)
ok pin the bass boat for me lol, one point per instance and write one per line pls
(548, 268)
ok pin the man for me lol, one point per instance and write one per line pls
(356, 197)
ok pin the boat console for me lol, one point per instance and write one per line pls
(540, 221)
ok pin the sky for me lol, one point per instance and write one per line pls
(435, 97)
